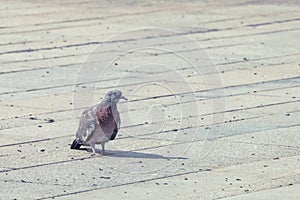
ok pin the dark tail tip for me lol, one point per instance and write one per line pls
(75, 145)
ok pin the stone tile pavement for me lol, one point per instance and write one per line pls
(213, 91)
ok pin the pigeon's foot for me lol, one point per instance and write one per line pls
(97, 154)
(103, 148)
(93, 150)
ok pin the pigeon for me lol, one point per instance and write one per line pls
(100, 123)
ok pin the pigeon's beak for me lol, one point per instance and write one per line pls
(122, 97)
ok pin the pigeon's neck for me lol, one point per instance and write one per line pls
(106, 102)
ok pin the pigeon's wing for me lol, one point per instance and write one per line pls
(87, 126)
(117, 126)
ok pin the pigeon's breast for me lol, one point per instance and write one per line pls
(106, 121)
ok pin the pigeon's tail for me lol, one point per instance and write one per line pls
(75, 145)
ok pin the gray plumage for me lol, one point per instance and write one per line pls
(99, 123)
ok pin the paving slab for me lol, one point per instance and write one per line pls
(289, 192)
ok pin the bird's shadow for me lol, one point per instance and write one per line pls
(133, 154)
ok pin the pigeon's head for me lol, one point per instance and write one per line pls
(114, 96)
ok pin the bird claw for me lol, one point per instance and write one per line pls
(98, 154)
